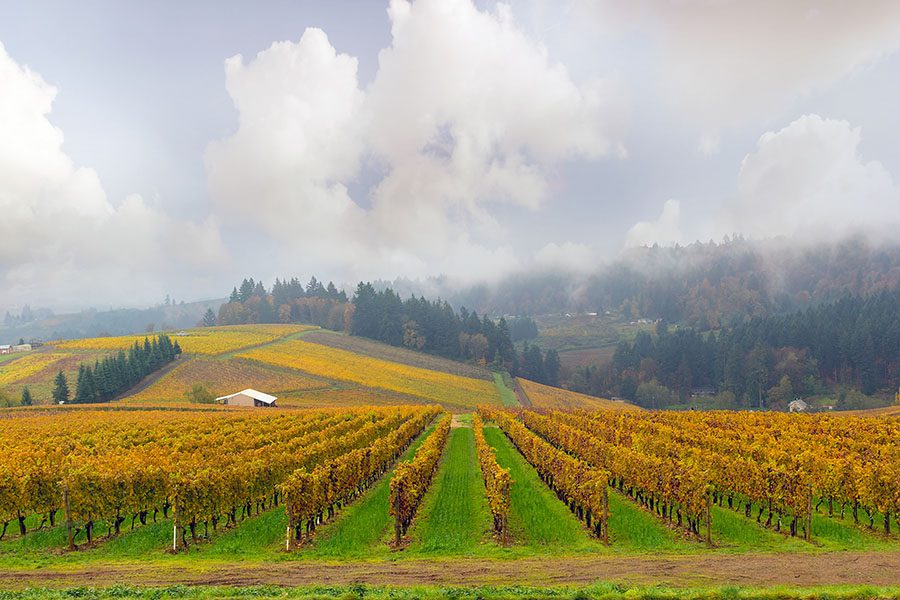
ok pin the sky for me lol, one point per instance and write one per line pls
(176, 147)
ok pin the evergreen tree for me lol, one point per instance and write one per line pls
(209, 318)
(60, 389)
(26, 397)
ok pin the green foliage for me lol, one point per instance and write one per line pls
(27, 400)
(60, 389)
(116, 374)
(455, 518)
(198, 394)
(651, 394)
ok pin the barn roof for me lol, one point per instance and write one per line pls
(253, 394)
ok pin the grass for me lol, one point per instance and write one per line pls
(507, 395)
(537, 518)
(597, 591)
(454, 517)
(361, 529)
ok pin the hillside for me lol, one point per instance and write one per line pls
(336, 370)
(545, 397)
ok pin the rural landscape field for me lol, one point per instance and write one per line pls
(450, 299)
(378, 471)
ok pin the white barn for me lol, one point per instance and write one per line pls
(248, 397)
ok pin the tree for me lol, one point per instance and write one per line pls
(198, 394)
(209, 318)
(60, 389)
(26, 397)
(782, 393)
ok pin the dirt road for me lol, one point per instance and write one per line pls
(747, 570)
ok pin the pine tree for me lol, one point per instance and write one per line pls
(26, 397)
(60, 389)
(209, 318)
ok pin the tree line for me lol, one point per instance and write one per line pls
(417, 323)
(116, 374)
(852, 344)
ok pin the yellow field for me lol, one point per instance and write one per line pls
(333, 363)
(544, 396)
(224, 376)
(27, 365)
(345, 397)
(207, 340)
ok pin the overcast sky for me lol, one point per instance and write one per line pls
(153, 148)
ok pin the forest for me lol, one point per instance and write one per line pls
(430, 326)
(851, 345)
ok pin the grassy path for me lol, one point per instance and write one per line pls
(454, 516)
(362, 528)
(537, 518)
(507, 395)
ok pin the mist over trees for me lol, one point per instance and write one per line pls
(851, 344)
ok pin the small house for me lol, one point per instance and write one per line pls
(248, 397)
(5, 349)
(22, 348)
(798, 405)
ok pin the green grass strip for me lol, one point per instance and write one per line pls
(454, 518)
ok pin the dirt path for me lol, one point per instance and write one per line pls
(524, 400)
(880, 569)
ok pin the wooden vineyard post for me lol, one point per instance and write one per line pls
(287, 535)
(397, 525)
(175, 525)
(708, 518)
(809, 512)
(69, 537)
(604, 524)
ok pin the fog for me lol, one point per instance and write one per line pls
(453, 148)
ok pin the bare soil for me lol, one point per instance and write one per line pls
(878, 569)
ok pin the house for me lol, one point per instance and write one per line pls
(798, 405)
(248, 397)
(5, 349)
(22, 348)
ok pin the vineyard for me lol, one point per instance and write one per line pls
(208, 340)
(85, 488)
(542, 396)
(341, 365)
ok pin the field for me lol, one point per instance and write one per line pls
(341, 365)
(598, 501)
(208, 340)
(371, 348)
(131, 476)
(546, 397)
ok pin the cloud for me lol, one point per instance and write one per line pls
(465, 113)
(810, 179)
(567, 256)
(725, 63)
(665, 230)
(63, 241)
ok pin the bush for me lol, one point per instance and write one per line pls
(200, 395)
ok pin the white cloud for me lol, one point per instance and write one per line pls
(810, 179)
(665, 230)
(465, 112)
(727, 62)
(568, 256)
(63, 241)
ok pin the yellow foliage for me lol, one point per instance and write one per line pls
(545, 396)
(27, 366)
(372, 372)
(206, 340)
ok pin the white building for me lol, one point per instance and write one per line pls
(798, 405)
(248, 397)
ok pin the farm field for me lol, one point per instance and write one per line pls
(341, 365)
(590, 497)
(207, 340)
(547, 397)
(371, 348)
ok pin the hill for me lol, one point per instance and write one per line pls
(304, 366)
(545, 397)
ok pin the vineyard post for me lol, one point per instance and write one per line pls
(809, 512)
(175, 525)
(708, 518)
(604, 524)
(397, 526)
(69, 537)
(287, 508)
